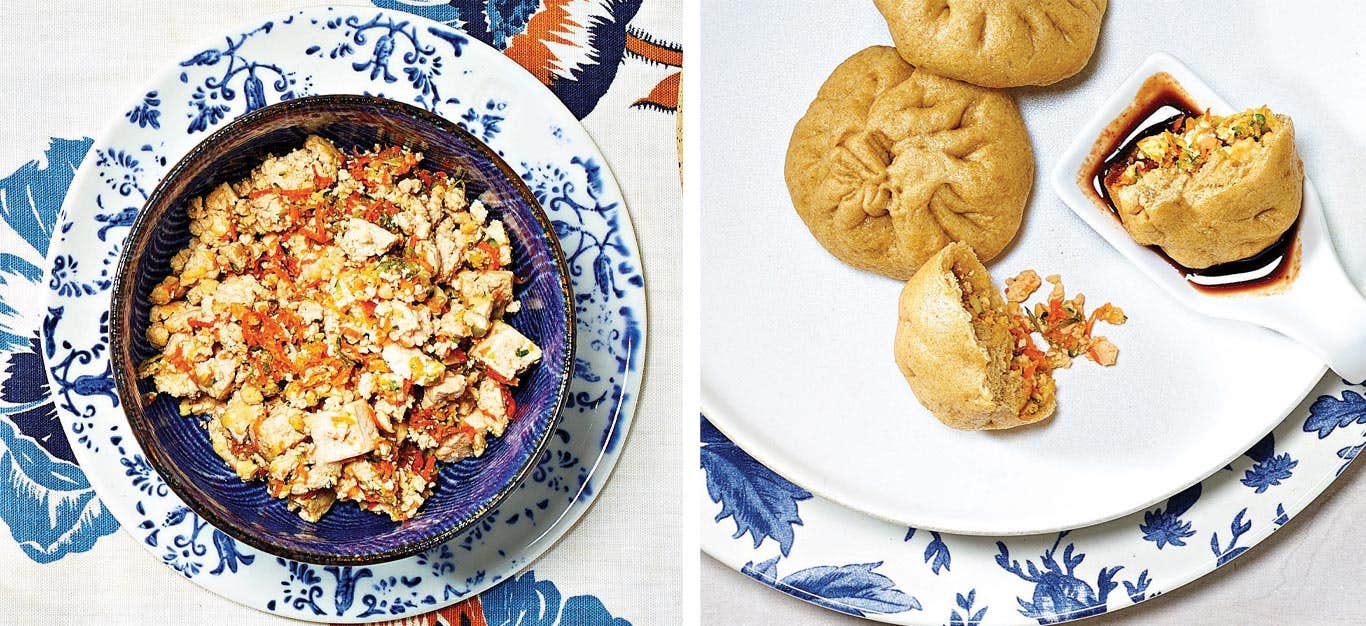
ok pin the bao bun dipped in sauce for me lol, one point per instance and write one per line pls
(1207, 189)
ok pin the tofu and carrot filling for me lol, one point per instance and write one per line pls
(1195, 139)
(337, 322)
(996, 324)
(1063, 322)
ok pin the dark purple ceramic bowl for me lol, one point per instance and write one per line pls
(178, 447)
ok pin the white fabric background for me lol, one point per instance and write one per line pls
(66, 69)
(1305, 58)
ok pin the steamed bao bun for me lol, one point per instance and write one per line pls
(1223, 190)
(954, 346)
(891, 163)
(996, 43)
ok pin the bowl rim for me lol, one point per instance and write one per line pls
(126, 381)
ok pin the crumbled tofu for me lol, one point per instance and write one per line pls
(321, 321)
(505, 351)
(279, 430)
(343, 433)
(412, 364)
(451, 387)
(1103, 352)
(1019, 288)
(493, 409)
(242, 289)
(363, 240)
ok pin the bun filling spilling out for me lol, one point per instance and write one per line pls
(970, 353)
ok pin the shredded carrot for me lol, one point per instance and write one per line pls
(287, 358)
(320, 181)
(509, 402)
(498, 378)
(297, 194)
(318, 237)
(495, 260)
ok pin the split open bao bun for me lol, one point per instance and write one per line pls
(955, 347)
(1215, 190)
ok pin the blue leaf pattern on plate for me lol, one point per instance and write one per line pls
(1328, 413)
(854, 589)
(936, 551)
(1269, 473)
(1059, 587)
(146, 112)
(762, 503)
(967, 617)
(1237, 529)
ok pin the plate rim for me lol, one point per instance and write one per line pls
(815, 485)
(730, 553)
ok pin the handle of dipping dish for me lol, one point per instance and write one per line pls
(1324, 312)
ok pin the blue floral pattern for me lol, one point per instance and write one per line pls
(526, 601)
(1058, 581)
(967, 617)
(147, 112)
(1236, 530)
(1059, 594)
(422, 61)
(32, 195)
(1269, 468)
(45, 500)
(213, 95)
(240, 73)
(48, 505)
(1165, 526)
(1329, 414)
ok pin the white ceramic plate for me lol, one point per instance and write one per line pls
(796, 347)
(349, 50)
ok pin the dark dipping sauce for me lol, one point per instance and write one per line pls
(1162, 105)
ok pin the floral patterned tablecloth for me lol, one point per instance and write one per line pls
(612, 62)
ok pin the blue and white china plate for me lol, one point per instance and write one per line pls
(764, 526)
(402, 57)
(1123, 437)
